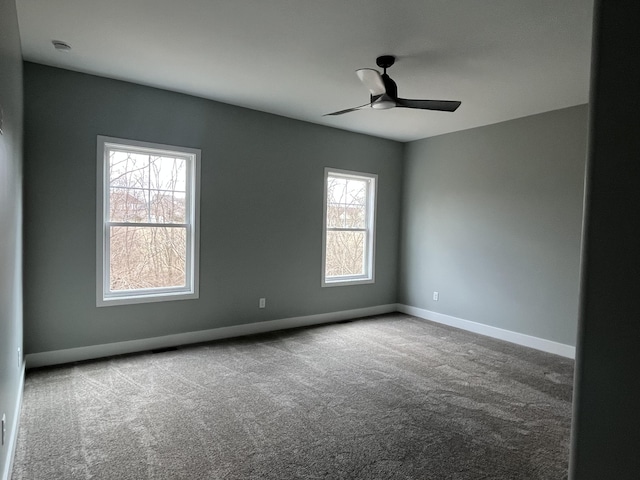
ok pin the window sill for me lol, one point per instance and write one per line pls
(344, 282)
(149, 298)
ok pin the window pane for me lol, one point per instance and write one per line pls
(345, 253)
(129, 170)
(356, 192)
(167, 207)
(346, 203)
(167, 173)
(346, 216)
(147, 257)
(128, 205)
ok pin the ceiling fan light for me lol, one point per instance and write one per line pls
(383, 104)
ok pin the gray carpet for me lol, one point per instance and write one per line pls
(387, 397)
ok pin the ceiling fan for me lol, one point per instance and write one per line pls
(384, 92)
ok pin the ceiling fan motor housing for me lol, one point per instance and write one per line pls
(390, 86)
(389, 98)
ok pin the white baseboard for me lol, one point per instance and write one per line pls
(56, 357)
(12, 441)
(495, 332)
(131, 346)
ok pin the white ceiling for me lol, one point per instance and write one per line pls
(503, 59)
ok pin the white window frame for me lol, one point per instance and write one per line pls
(105, 297)
(370, 229)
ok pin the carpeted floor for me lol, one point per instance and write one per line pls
(387, 397)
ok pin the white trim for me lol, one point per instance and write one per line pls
(545, 345)
(12, 441)
(370, 230)
(192, 227)
(105, 350)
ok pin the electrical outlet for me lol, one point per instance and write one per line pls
(3, 429)
(262, 303)
(436, 296)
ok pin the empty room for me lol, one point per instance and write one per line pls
(319, 239)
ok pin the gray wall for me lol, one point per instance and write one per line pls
(606, 432)
(492, 221)
(261, 210)
(10, 217)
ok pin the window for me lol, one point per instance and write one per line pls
(147, 211)
(349, 228)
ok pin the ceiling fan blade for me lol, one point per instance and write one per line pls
(372, 80)
(439, 105)
(340, 112)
